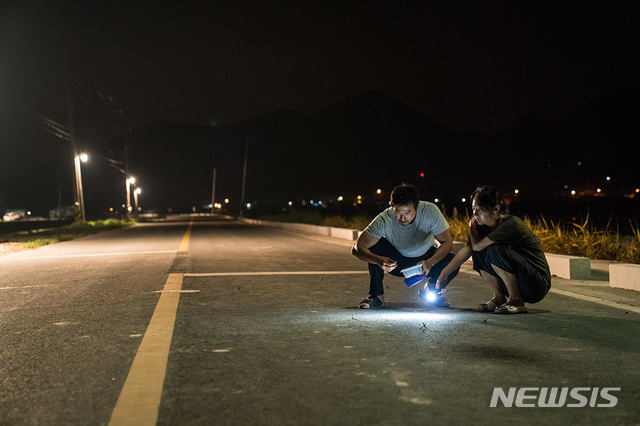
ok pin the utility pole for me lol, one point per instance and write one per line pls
(79, 196)
(244, 174)
(128, 176)
(213, 192)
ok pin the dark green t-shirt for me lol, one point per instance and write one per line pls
(514, 233)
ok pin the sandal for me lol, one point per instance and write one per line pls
(490, 306)
(371, 303)
(511, 309)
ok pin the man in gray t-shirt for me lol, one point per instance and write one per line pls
(401, 236)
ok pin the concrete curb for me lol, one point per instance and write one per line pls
(624, 275)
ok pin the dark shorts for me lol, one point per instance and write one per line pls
(533, 284)
(384, 248)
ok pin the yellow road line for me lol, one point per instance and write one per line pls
(184, 245)
(140, 398)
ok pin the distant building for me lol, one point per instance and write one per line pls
(62, 213)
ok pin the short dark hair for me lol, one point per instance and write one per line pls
(405, 194)
(487, 197)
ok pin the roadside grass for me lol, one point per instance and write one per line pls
(571, 238)
(583, 239)
(31, 240)
(39, 243)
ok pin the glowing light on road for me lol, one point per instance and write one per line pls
(417, 318)
(431, 296)
(393, 315)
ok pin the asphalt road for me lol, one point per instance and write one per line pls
(227, 324)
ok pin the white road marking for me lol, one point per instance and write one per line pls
(122, 253)
(597, 300)
(253, 274)
(24, 286)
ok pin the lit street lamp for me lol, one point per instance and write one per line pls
(79, 192)
(130, 180)
(137, 192)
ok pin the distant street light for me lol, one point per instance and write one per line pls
(130, 180)
(137, 192)
(79, 191)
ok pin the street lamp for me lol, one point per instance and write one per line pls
(79, 192)
(137, 192)
(130, 180)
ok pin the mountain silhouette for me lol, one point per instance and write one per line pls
(374, 141)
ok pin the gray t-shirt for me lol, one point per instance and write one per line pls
(411, 240)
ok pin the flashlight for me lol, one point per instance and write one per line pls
(431, 296)
(428, 295)
(413, 276)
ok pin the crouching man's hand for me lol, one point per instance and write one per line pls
(387, 264)
(441, 283)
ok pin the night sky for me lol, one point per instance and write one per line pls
(469, 65)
